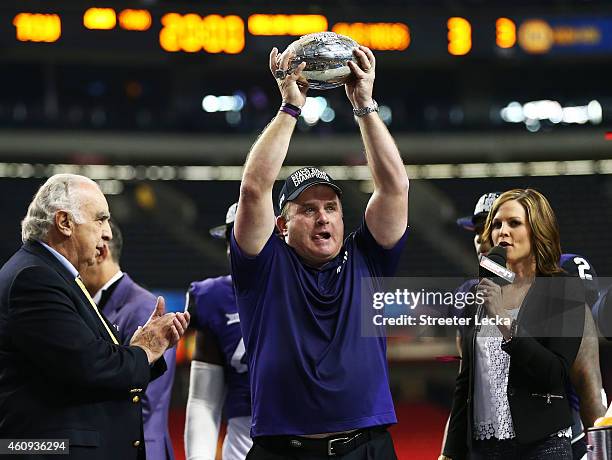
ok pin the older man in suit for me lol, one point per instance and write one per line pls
(63, 373)
(128, 305)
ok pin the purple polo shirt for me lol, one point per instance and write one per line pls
(311, 370)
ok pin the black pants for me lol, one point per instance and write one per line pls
(379, 448)
(552, 448)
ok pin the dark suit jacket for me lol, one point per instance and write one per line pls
(129, 306)
(60, 374)
(551, 323)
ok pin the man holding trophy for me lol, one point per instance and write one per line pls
(319, 387)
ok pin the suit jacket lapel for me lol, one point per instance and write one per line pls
(119, 295)
(85, 308)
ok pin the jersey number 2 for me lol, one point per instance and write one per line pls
(583, 266)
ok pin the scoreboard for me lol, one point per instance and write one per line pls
(90, 30)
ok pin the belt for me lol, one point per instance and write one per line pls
(337, 444)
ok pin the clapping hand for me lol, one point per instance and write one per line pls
(161, 331)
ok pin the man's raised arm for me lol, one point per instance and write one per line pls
(255, 217)
(387, 211)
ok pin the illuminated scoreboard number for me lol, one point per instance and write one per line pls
(382, 36)
(139, 20)
(106, 19)
(192, 33)
(100, 18)
(461, 39)
(37, 27)
(459, 36)
(286, 24)
(505, 33)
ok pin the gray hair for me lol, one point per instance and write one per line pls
(59, 193)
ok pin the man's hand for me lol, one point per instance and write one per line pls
(162, 331)
(292, 85)
(359, 89)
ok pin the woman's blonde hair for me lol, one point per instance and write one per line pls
(545, 240)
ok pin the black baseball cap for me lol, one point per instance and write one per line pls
(483, 206)
(300, 180)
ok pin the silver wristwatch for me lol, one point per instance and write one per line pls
(360, 112)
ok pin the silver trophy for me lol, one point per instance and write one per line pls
(325, 55)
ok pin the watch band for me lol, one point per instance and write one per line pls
(360, 112)
(513, 333)
(290, 109)
(513, 328)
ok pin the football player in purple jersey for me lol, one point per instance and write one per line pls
(589, 402)
(219, 380)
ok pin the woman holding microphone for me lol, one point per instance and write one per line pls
(510, 399)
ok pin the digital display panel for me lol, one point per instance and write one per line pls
(156, 32)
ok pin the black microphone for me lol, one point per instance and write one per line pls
(493, 267)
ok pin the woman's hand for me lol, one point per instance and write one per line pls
(492, 295)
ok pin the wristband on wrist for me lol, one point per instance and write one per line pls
(360, 112)
(290, 109)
